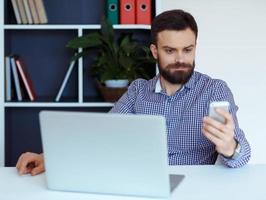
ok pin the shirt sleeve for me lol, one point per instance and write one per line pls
(223, 93)
(125, 104)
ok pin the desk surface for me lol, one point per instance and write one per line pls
(201, 182)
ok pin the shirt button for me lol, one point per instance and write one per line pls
(169, 100)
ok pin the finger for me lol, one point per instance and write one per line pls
(208, 121)
(216, 141)
(37, 170)
(221, 131)
(225, 137)
(213, 131)
(228, 117)
(23, 169)
(26, 171)
(18, 162)
(29, 167)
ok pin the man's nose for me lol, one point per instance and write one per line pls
(179, 57)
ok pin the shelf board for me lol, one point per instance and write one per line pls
(72, 27)
(59, 104)
(132, 26)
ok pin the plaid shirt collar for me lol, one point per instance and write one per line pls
(157, 87)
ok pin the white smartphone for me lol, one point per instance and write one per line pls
(221, 105)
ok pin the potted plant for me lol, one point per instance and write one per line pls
(118, 60)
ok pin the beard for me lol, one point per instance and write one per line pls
(172, 75)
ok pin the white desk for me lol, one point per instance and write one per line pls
(201, 183)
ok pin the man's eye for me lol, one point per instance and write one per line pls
(188, 50)
(169, 51)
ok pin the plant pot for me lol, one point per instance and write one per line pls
(110, 94)
(121, 83)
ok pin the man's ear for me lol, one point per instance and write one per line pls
(154, 51)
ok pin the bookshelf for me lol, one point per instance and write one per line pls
(2, 88)
(42, 46)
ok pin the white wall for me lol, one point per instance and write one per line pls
(232, 47)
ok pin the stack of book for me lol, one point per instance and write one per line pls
(16, 77)
(29, 11)
(129, 11)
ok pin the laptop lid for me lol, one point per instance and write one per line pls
(105, 153)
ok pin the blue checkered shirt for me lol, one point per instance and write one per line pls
(184, 112)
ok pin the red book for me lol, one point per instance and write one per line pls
(127, 12)
(26, 79)
(143, 12)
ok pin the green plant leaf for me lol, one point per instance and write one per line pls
(125, 41)
(117, 58)
(107, 30)
(79, 55)
(87, 41)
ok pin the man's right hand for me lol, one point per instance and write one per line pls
(31, 163)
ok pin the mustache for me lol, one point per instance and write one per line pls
(179, 65)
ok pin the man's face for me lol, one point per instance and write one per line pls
(175, 53)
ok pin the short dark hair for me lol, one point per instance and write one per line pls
(172, 20)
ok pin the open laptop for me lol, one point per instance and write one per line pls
(106, 153)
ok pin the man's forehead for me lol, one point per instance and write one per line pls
(177, 47)
(173, 38)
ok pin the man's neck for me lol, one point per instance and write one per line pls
(169, 88)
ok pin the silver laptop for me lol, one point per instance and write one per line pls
(106, 153)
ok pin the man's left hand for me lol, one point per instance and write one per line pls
(222, 135)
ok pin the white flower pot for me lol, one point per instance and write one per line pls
(116, 83)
